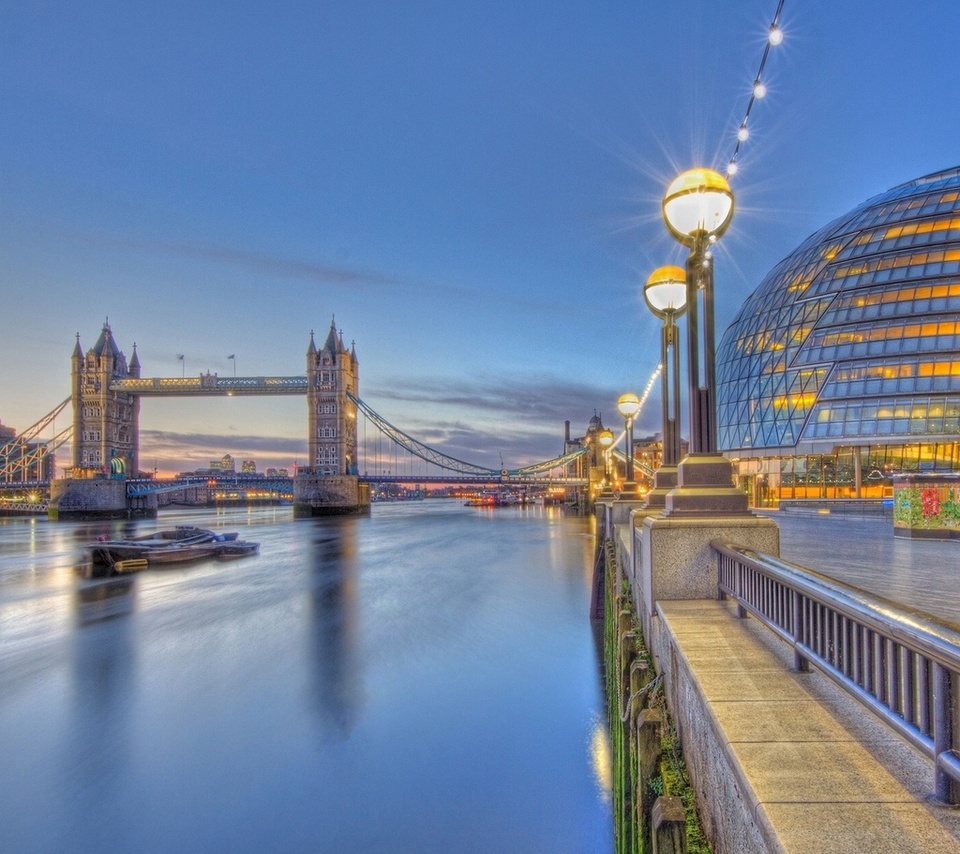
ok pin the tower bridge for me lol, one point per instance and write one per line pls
(106, 389)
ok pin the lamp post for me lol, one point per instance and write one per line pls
(666, 296)
(628, 406)
(697, 209)
(605, 438)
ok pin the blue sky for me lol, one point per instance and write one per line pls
(473, 190)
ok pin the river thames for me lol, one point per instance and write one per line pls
(424, 679)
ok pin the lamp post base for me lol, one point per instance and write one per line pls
(705, 488)
(664, 482)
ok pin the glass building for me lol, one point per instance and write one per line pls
(843, 367)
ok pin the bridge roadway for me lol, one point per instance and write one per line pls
(210, 385)
(473, 480)
(816, 771)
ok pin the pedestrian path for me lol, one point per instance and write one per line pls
(816, 771)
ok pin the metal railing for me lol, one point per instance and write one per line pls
(901, 664)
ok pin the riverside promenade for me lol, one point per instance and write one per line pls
(804, 767)
(921, 574)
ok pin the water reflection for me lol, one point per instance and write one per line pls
(103, 600)
(337, 681)
(104, 680)
(422, 679)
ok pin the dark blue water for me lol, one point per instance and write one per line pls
(421, 680)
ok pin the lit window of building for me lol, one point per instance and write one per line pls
(843, 367)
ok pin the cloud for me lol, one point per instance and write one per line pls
(162, 441)
(542, 399)
(466, 419)
(257, 262)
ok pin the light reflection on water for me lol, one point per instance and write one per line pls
(424, 679)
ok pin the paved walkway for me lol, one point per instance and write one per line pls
(817, 774)
(921, 574)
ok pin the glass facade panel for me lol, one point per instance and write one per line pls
(854, 340)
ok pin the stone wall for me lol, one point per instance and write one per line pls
(329, 495)
(88, 499)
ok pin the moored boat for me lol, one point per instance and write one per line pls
(176, 545)
(236, 548)
(180, 553)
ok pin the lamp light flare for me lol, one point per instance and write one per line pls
(743, 134)
(759, 90)
(776, 35)
(628, 405)
(697, 203)
(666, 291)
(732, 167)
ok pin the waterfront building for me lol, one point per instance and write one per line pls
(843, 367)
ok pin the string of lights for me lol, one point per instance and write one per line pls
(759, 89)
(650, 382)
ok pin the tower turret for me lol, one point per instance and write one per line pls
(105, 422)
(332, 373)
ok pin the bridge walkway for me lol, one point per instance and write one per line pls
(816, 772)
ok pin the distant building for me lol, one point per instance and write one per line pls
(225, 463)
(249, 467)
(590, 466)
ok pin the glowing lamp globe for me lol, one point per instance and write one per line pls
(666, 291)
(605, 438)
(628, 405)
(698, 204)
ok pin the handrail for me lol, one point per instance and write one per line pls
(902, 664)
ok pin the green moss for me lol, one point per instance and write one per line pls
(673, 776)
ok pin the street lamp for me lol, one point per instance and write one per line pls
(697, 209)
(605, 438)
(628, 406)
(666, 296)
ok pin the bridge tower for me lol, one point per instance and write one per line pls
(332, 371)
(106, 424)
(329, 483)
